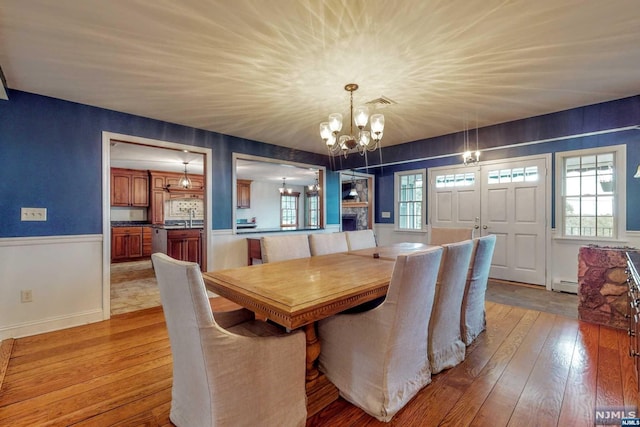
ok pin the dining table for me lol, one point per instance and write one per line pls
(297, 293)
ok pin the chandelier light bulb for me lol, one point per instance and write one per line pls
(325, 131)
(335, 122)
(361, 116)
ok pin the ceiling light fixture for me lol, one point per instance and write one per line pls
(354, 191)
(185, 181)
(364, 141)
(315, 186)
(284, 189)
(469, 158)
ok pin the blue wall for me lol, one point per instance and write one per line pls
(51, 156)
(609, 115)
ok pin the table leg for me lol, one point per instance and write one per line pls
(313, 351)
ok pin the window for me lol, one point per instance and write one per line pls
(289, 210)
(410, 196)
(313, 209)
(592, 192)
(528, 174)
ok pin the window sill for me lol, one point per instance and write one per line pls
(404, 230)
(590, 241)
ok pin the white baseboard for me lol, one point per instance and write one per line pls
(51, 324)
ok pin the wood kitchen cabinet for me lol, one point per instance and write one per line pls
(243, 196)
(146, 241)
(126, 243)
(185, 245)
(129, 187)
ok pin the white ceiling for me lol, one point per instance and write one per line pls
(273, 70)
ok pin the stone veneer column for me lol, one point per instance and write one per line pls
(602, 286)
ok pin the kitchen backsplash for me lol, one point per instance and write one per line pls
(179, 209)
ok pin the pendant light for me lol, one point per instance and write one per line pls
(185, 181)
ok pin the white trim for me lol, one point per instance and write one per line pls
(396, 197)
(106, 205)
(48, 240)
(50, 324)
(620, 206)
(514, 145)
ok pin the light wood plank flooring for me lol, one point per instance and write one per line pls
(528, 368)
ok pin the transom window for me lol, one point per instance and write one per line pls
(502, 176)
(455, 180)
(410, 196)
(590, 202)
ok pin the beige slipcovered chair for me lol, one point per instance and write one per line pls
(361, 239)
(378, 358)
(443, 235)
(472, 321)
(327, 243)
(446, 348)
(228, 369)
(280, 248)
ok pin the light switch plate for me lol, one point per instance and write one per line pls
(386, 214)
(33, 214)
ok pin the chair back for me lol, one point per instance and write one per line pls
(411, 293)
(446, 348)
(327, 243)
(281, 248)
(472, 321)
(360, 239)
(187, 312)
(444, 235)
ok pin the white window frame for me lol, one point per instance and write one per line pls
(396, 191)
(620, 195)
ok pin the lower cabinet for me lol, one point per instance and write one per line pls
(126, 243)
(185, 245)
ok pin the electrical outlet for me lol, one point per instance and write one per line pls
(26, 295)
(33, 214)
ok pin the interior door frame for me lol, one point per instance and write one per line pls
(106, 204)
(547, 157)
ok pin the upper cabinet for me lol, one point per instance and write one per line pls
(244, 193)
(129, 187)
(172, 182)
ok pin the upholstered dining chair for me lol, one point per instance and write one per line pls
(327, 243)
(361, 239)
(472, 320)
(281, 248)
(377, 358)
(446, 348)
(228, 369)
(443, 235)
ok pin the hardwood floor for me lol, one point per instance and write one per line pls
(528, 368)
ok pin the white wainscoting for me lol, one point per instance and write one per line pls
(228, 250)
(64, 274)
(562, 259)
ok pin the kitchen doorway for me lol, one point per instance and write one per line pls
(147, 154)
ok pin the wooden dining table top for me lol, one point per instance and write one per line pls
(298, 292)
(390, 252)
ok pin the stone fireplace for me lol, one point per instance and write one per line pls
(602, 285)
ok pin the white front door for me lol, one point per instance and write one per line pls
(455, 197)
(505, 198)
(514, 209)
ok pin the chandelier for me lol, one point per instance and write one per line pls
(185, 181)
(364, 141)
(284, 189)
(469, 158)
(315, 186)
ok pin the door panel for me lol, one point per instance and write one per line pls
(507, 199)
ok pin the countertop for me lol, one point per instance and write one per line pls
(273, 230)
(634, 264)
(131, 224)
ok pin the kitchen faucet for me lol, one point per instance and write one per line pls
(192, 214)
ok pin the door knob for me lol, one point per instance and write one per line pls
(476, 227)
(484, 227)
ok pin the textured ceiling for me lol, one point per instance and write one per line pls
(273, 70)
